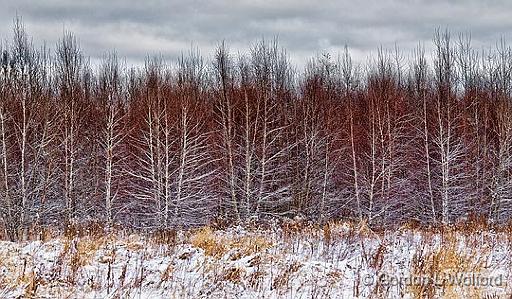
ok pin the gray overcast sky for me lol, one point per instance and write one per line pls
(136, 29)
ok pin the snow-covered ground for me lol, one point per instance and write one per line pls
(338, 261)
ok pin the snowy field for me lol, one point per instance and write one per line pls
(336, 261)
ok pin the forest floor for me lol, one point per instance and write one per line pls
(339, 260)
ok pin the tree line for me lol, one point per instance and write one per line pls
(249, 137)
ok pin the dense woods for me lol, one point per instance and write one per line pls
(248, 137)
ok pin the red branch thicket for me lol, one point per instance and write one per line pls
(248, 137)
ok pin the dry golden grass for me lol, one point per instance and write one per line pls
(327, 234)
(256, 279)
(167, 274)
(439, 253)
(282, 279)
(234, 274)
(164, 236)
(206, 239)
(249, 245)
(444, 263)
(216, 245)
(8, 266)
(32, 285)
(81, 251)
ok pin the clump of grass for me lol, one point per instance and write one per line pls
(165, 237)
(293, 227)
(33, 283)
(283, 278)
(216, 245)
(443, 264)
(86, 249)
(327, 233)
(206, 239)
(8, 269)
(249, 245)
(256, 279)
(167, 274)
(234, 274)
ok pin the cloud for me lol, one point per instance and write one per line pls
(136, 29)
